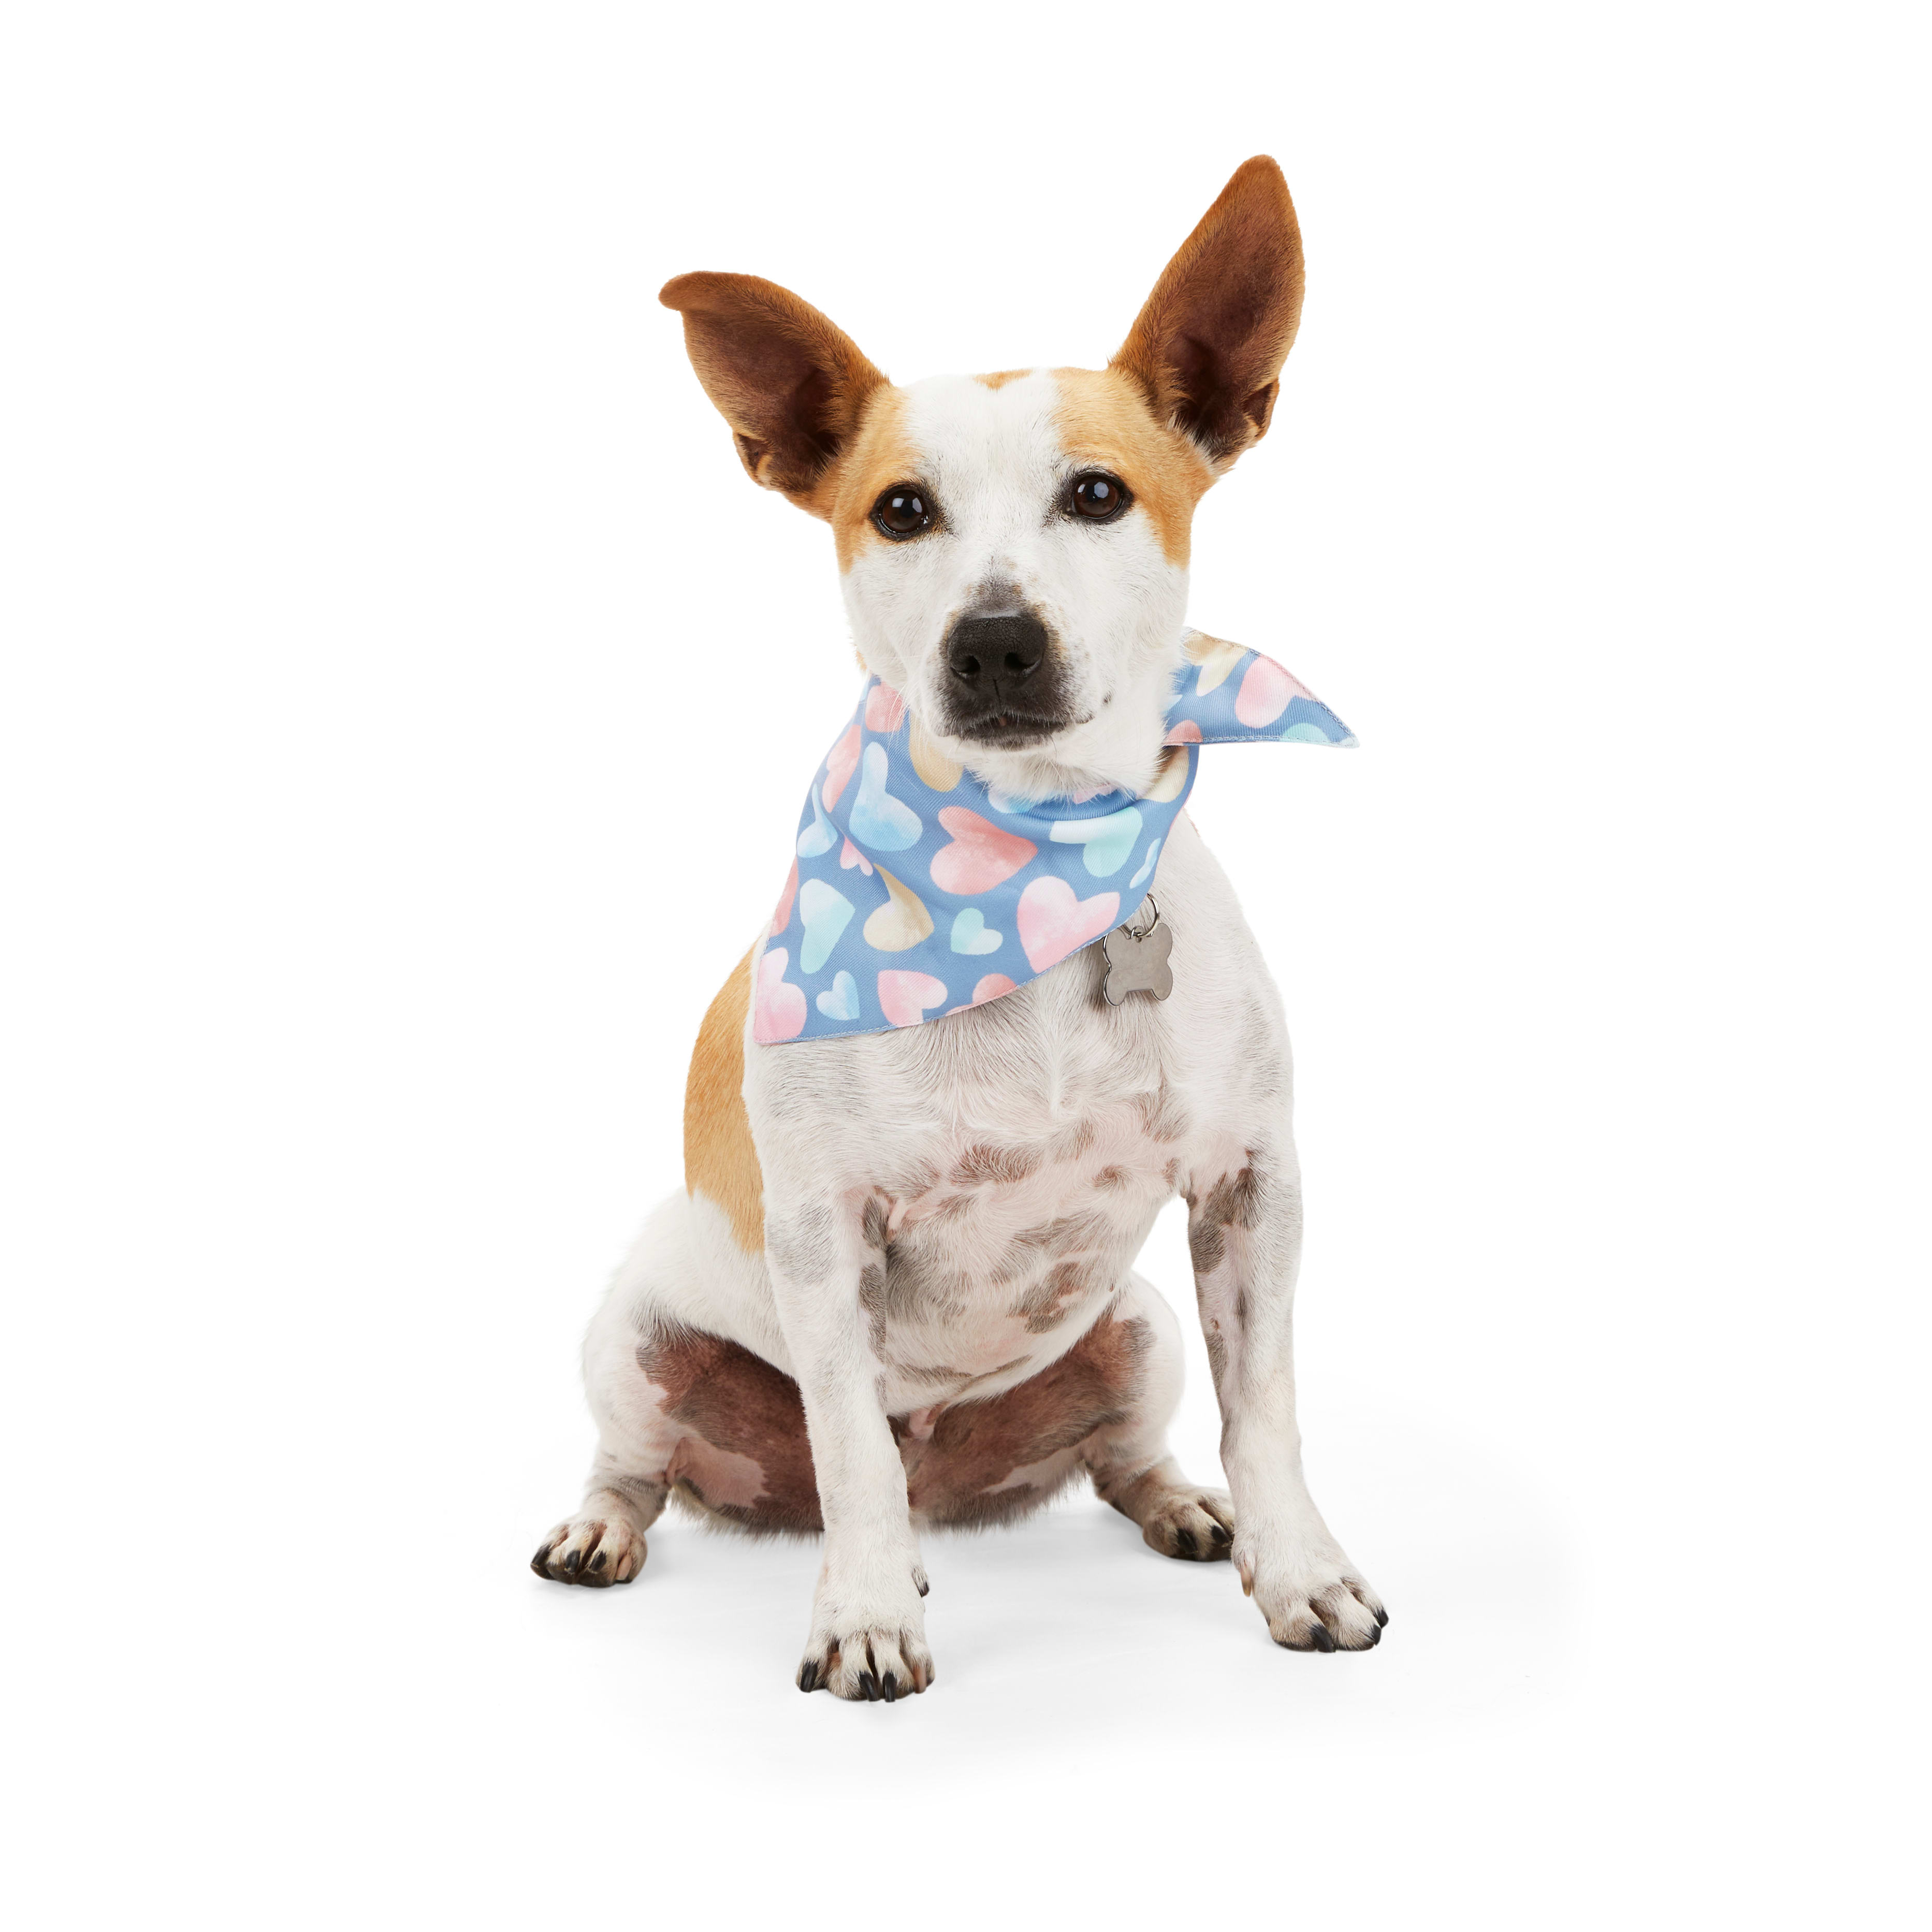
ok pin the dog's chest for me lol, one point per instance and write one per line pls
(1011, 1220)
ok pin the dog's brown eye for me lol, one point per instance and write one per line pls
(903, 510)
(1097, 497)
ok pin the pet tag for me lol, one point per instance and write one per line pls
(1137, 962)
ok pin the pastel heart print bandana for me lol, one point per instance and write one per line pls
(918, 891)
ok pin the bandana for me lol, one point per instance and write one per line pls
(919, 891)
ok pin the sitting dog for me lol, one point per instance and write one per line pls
(899, 1289)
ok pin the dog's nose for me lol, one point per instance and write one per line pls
(996, 654)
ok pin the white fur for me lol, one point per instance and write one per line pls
(1188, 1095)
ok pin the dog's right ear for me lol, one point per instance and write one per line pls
(792, 385)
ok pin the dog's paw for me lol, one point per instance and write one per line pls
(595, 1550)
(1313, 1601)
(876, 1666)
(1197, 1526)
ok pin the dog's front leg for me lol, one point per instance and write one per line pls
(1244, 1230)
(827, 1260)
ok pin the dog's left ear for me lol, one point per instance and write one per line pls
(1207, 350)
(792, 385)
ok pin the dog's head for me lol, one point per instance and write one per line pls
(1014, 547)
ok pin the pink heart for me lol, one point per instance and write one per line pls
(1185, 732)
(781, 1006)
(782, 917)
(884, 708)
(991, 988)
(980, 856)
(904, 997)
(1054, 923)
(840, 767)
(851, 856)
(1265, 691)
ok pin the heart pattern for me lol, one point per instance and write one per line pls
(840, 1001)
(901, 923)
(988, 889)
(1054, 923)
(818, 836)
(1110, 842)
(904, 997)
(878, 819)
(969, 934)
(980, 856)
(778, 1011)
(826, 912)
(840, 763)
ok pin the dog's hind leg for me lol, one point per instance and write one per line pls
(679, 1404)
(1128, 1461)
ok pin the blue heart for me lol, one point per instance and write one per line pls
(817, 836)
(1109, 841)
(1146, 871)
(826, 912)
(878, 819)
(840, 1001)
(969, 934)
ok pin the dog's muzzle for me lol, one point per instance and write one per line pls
(1003, 678)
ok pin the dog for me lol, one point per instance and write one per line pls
(898, 1289)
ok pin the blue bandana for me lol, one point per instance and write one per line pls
(919, 891)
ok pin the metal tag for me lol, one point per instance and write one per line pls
(1137, 962)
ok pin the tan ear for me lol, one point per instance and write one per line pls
(791, 385)
(1207, 348)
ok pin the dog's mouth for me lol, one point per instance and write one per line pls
(1012, 731)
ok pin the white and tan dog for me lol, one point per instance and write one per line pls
(899, 1289)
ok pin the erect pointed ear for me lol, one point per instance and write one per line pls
(1206, 350)
(791, 385)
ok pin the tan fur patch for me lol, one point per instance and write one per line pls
(1104, 423)
(720, 1161)
(881, 454)
(1000, 380)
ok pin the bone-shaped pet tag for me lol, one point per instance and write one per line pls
(1137, 962)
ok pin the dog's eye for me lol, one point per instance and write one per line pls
(1096, 497)
(903, 510)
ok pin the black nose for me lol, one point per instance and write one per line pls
(995, 655)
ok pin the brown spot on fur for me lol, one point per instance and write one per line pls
(1206, 1242)
(1104, 423)
(975, 1446)
(1045, 1306)
(793, 387)
(1162, 1117)
(731, 1405)
(1234, 1201)
(1002, 378)
(1206, 351)
(1111, 1177)
(720, 1161)
(980, 1164)
(1073, 1142)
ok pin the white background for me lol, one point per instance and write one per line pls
(407, 705)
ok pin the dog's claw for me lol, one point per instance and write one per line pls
(808, 1675)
